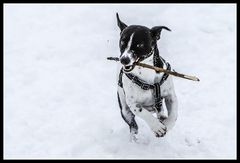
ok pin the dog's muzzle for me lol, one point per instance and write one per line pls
(128, 63)
(130, 67)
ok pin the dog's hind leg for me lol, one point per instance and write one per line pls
(128, 116)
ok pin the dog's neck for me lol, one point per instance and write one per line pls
(157, 60)
(149, 75)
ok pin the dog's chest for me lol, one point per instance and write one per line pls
(135, 94)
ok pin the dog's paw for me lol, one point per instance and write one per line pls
(133, 138)
(169, 123)
(158, 128)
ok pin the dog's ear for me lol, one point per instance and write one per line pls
(156, 31)
(121, 25)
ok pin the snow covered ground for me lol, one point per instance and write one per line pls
(60, 91)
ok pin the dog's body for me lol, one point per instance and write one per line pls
(138, 43)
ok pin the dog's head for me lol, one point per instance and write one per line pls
(136, 43)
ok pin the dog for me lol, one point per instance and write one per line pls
(141, 91)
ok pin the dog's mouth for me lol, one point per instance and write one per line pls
(128, 68)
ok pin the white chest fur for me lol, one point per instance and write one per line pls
(135, 94)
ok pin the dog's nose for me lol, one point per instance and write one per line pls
(125, 60)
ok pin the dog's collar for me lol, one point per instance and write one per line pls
(143, 84)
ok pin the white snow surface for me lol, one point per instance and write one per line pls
(60, 91)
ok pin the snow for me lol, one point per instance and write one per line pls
(60, 91)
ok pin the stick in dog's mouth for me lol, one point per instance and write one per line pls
(194, 78)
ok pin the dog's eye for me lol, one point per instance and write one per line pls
(140, 45)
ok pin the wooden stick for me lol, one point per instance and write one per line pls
(168, 71)
(194, 78)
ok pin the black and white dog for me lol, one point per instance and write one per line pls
(140, 90)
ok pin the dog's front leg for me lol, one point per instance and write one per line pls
(156, 126)
(172, 108)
